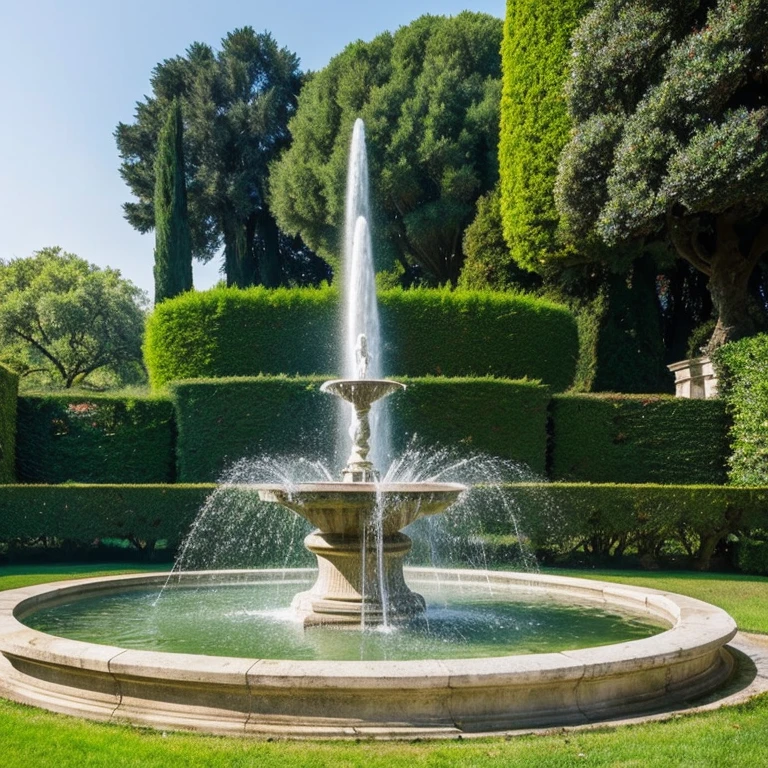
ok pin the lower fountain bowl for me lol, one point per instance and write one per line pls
(377, 699)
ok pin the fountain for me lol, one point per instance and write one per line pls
(358, 542)
(361, 584)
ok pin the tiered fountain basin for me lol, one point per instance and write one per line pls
(355, 561)
(376, 699)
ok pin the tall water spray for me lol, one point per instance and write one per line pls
(361, 314)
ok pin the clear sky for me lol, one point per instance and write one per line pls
(72, 69)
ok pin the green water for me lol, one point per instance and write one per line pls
(255, 621)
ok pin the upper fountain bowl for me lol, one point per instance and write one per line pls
(362, 393)
(346, 508)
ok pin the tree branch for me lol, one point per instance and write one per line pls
(43, 351)
(685, 241)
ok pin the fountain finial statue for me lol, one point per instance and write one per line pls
(361, 354)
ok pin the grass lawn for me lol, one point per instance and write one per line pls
(733, 736)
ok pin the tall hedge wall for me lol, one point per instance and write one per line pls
(220, 421)
(95, 439)
(638, 439)
(534, 122)
(478, 333)
(743, 379)
(499, 417)
(234, 332)
(9, 388)
(87, 512)
(231, 332)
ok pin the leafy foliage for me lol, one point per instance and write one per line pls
(488, 263)
(65, 321)
(671, 138)
(9, 387)
(95, 439)
(429, 97)
(428, 332)
(535, 124)
(638, 439)
(629, 349)
(752, 554)
(646, 521)
(620, 334)
(173, 246)
(742, 368)
(237, 103)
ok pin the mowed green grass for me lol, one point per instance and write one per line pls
(745, 597)
(732, 736)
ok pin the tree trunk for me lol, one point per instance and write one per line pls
(730, 270)
(240, 259)
(728, 259)
(270, 263)
(729, 288)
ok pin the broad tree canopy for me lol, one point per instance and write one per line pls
(429, 96)
(63, 320)
(237, 102)
(670, 102)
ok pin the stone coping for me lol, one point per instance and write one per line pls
(352, 489)
(379, 699)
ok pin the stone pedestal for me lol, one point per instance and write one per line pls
(695, 378)
(350, 517)
(348, 590)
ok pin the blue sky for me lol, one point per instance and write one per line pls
(73, 69)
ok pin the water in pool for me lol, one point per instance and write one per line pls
(255, 621)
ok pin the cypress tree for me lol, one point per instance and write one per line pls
(535, 124)
(173, 245)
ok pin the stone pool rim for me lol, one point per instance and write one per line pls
(368, 699)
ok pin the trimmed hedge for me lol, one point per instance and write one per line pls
(9, 388)
(638, 439)
(610, 520)
(647, 521)
(222, 420)
(743, 380)
(95, 439)
(499, 417)
(431, 332)
(230, 332)
(85, 513)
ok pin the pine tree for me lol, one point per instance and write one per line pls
(429, 96)
(173, 246)
(237, 101)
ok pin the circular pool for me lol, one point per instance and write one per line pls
(488, 662)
